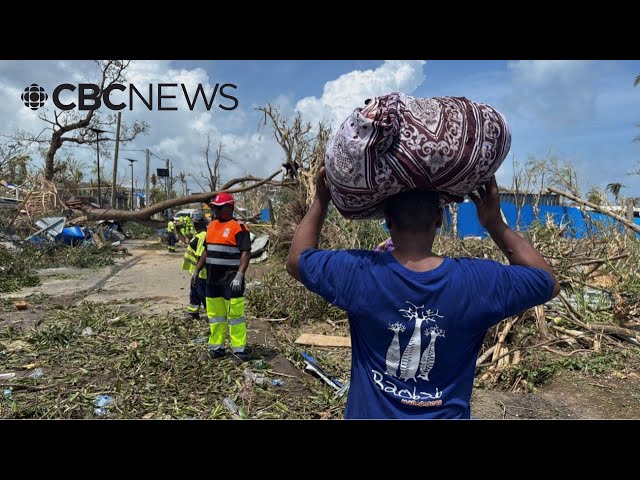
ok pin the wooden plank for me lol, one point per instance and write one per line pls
(323, 340)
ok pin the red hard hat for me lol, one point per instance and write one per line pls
(222, 199)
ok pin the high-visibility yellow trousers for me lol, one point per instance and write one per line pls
(221, 307)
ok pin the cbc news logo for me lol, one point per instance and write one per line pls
(34, 96)
(89, 96)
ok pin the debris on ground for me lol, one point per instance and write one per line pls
(311, 364)
(102, 403)
(21, 305)
(230, 405)
(258, 245)
(37, 373)
(257, 378)
(151, 368)
(323, 340)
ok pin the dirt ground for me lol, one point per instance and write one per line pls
(570, 395)
(150, 282)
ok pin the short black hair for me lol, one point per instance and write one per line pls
(413, 210)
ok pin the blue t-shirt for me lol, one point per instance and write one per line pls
(415, 336)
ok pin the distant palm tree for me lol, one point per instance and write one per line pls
(614, 189)
(637, 82)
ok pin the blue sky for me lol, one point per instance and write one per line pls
(582, 111)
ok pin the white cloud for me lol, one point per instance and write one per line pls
(556, 92)
(349, 91)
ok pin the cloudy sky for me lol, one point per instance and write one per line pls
(582, 111)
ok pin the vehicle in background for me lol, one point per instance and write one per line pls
(194, 213)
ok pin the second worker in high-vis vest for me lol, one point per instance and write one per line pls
(197, 292)
(171, 235)
(226, 256)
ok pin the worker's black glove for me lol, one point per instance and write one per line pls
(237, 285)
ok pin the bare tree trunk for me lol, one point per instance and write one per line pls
(54, 146)
(216, 166)
(214, 172)
(629, 214)
(57, 138)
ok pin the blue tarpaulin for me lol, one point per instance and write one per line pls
(72, 235)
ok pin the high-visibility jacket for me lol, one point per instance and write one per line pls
(183, 225)
(192, 255)
(224, 242)
(189, 225)
(171, 227)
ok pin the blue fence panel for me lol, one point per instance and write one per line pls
(510, 213)
(600, 220)
(468, 224)
(526, 217)
(575, 223)
(557, 214)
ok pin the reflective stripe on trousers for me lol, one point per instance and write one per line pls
(218, 311)
(197, 296)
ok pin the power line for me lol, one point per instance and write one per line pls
(159, 158)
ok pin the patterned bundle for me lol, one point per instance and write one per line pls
(398, 142)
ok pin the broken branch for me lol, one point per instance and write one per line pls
(143, 216)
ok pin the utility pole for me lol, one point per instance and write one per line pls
(98, 131)
(170, 176)
(147, 197)
(115, 163)
(166, 181)
(131, 160)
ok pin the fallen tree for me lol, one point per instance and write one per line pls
(144, 216)
(597, 208)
